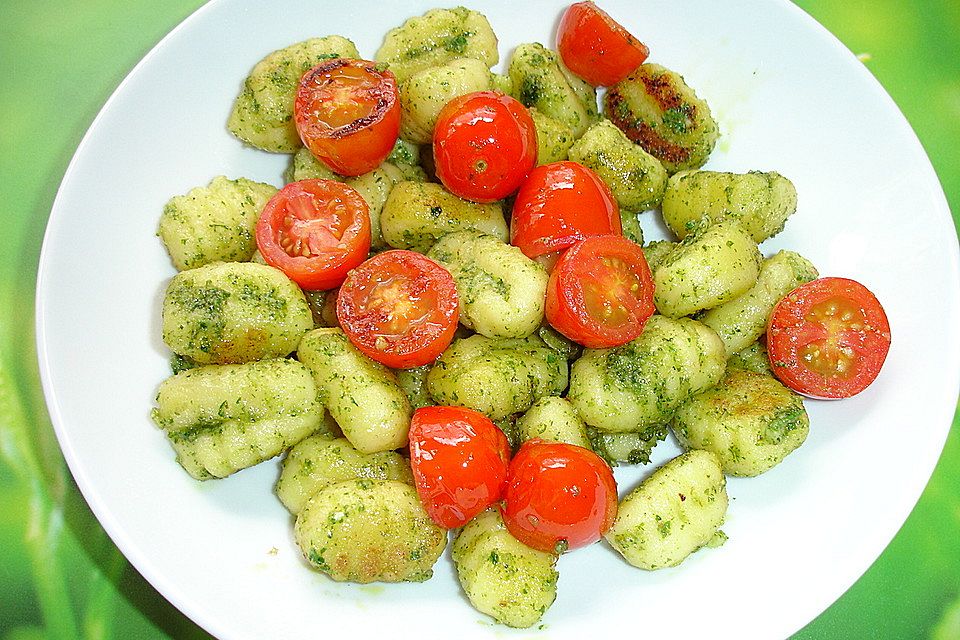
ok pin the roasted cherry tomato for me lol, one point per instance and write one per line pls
(484, 145)
(399, 308)
(459, 460)
(559, 204)
(600, 292)
(315, 231)
(596, 47)
(828, 338)
(348, 115)
(559, 496)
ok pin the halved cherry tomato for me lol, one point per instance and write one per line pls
(596, 47)
(559, 496)
(828, 338)
(315, 231)
(399, 308)
(484, 145)
(559, 204)
(459, 460)
(348, 115)
(600, 292)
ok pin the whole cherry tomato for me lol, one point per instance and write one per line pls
(600, 292)
(348, 114)
(559, 496)
(315, 231)
(400, 308)
(596, 47)
(484, 145)
(828, 338)
(459, 461)
(560, 204)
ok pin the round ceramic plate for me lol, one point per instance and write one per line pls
(788, 97)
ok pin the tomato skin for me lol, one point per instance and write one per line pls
(399, 308)
(600, 293)
(347, 113)
(559, 496)
(459, 459)
(828, 338)
(596, 47)
(484, 145)
(325, 219)
(558, 205)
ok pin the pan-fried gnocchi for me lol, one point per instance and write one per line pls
(369, 530)
(502, 292)
(502, 577)
(749, 420)
(262, 368)
(674, 512)
(223, 418)
(232, 312)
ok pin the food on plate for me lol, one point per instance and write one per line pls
(501, 290)
(347, 113)
(656, 108)
(760, 201)
(677, 510)
(315, 231)
(559, 496)
(399, 308)
(262, 114)
(484, 146)
(749, 420)
(743, 320)
(369, 530)
(224, 418)
(828, 338)
(706, 270)
(600, 293)
(417, 214)
(636, 179)
(459, 459)
(502, 577)
(596, 47)
(233, 312)
(559, 204)
(363, 396)
(462, 328)
(213, 223)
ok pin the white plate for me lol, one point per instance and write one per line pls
(788, 97)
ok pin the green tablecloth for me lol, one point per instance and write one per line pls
(60, 577)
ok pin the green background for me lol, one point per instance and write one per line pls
(60, 575)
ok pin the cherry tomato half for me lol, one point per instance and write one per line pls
(828, 338)
(559, 496)
(600, 292)
(484, 145)
(459, 460)
(399, 308)
(559, 204)
(596, 47)
(348, 114)
(315, 231)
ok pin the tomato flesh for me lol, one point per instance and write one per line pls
(560, 204)
(314, 231)
(828, 338)
(459, 460)
(600, 293)
(348, 114)
(596, 47)
(484, 145)
(559, 497)
(399, 308)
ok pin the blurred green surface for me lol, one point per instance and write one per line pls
(60, 577)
